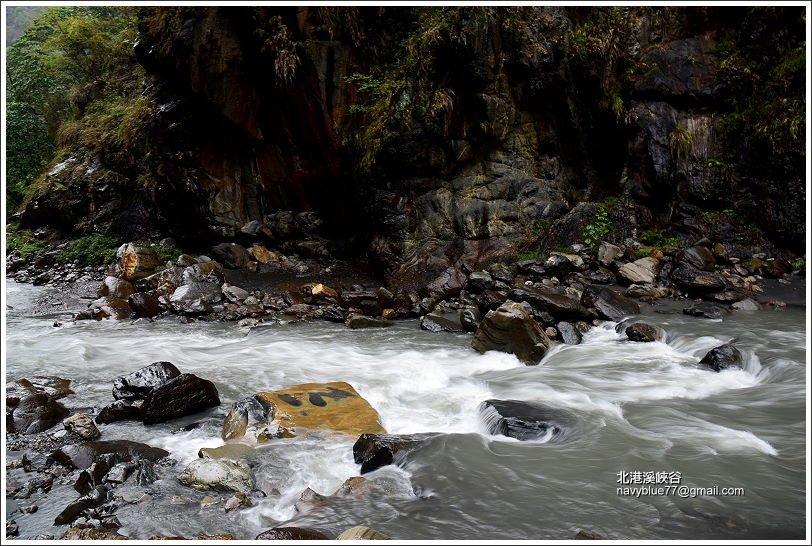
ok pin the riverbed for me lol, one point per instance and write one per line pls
(639, 407)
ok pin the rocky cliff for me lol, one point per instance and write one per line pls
(430, 138)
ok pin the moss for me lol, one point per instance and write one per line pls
(528, 256)
(92, 250)
(23, 241)
(656, 239)
(166, 253)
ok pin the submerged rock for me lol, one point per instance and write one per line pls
(525, 420)
(722, 357)
(292, 533)
(706, 310)
(511, 329)
(312, 406)
(218, 475)
(643, 332)
(373, 451)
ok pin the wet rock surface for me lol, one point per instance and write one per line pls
(512, 330)
(526, 421)
(372, 451)
(722, 357)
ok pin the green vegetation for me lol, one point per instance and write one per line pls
(533, 255)
(656, 239)
(166, 252)
(91, 250)
(593, 233)
(681, 143)
(22, 241)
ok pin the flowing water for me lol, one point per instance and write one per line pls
(639, 407)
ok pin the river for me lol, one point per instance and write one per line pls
(639, 407)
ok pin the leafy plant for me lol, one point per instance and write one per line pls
(23, 241)
(681, 143)
(593, 233)
(528, 256)
(91, 250)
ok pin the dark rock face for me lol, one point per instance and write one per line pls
(694, 281)
(82, 456)
(183, 395)
(373, 451)
(643, 332)
(552, 301)
(526, 421)
(699, 257)
(511, 330)
(120, 410)
(706, 310)
(609, 304)
(292, 533)
(569, 333)
(722, 358)
(36, 413)
(445, 322)
(136, 385)
(360, 321)
(144, 305)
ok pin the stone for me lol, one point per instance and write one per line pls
(120, 410)
(722, 357)
(292, 533)
(584, 534)
(560, 263)
(182, 395)
(442, 322)
(136, 385)
(694, 281)
(699, 257)
(511, 329)
(81, 456)
(703, 309)
(100, 534)
(144, 305)
(569, 334)
(108, 307)
(231, 255)
(646, 291)
(479, 281)
(360, 321)
(82, 425)
(239, 500)
(745, 305)
(234, 294)
(354, 486)
(372, 451)
(334, 313)
(469, 319)
(204, 272)
(322, 291)
(525, 420)
(235, 452)
(553, 301)
(447, 284)
(37, 413)
(263, 255)
(218, 475)
(55, 387)
(643, 332)
(115, 287)
(311, 406)
(610, 304)
(136, 262)
(608, 253)
(119, 473)
(642, 271)
(360, 532)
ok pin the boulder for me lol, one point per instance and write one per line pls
(292, 533)
(55, 387)
(108, 307)
(553, 301)
(136, 262)
(322, 291)
(360, 532)
(694, 281)
(703, 309)
(118, 288)
(569, 333)
(511, 329)
(745, 305)
(36, 413)
(312, 406)
(218, 475)
(357, 322)
(608, 253)
(120, 410)
(643, 332)
(490, 300)
(100, 534)
(183, 395)
(234, 294)
(197, 291)
(442, 321)
(235, 452)
(479, 281)
(82, 425)
(81, 456)
(204, 272)
(470, 318)
(136, 385)
(354, 486)
(642, 271)
(372, 451)
(609, 303)
(231, 255)
(722, 357)
(525, 420)
(263, 255)
(699, 257)
(144, 305)
(447, 284)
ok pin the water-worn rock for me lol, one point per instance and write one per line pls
(322, 291)
(107, 307)
(525, 420)
(553, 301)
(373, 451)
(144, 305)
(53, 386)
(642, 271)
(354, 486)
(118, 288)
(608, 253)
(234, 294)
(479, 281)
(511, 329)
(90, 533)
(703, 309)
(694, 281)
(643, 332)
(292, 533)
(234, 452)
(218, 475)
(239, 500)
(136, 385)
(82, 456)
(699, 257)
(745, 305)
(569, 333)
(311, 406)
(37, 413)
(182, 395)
(609, 303)
(120, 410)
(442, 322)
(722, 357)
(231, 255)
(135, 262)
(357, 322)
(360, 532)
(82, 425)
(447, 284)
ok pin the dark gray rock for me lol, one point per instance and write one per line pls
(609, 303)
(291, 533)
(479, 281)
(360, 321)
(37, 413)
(511, 329)
(722, 357)
(553, 301)
(372, 451)
(704, 309)
(82, 456)
(569, 334)
(120, 410)
(136, 385)
(442, 322)
(144, 305)
(699, 257)
(231, 255)
(694, 281)
(183, 395)
(643, 332)
(470, 318)
(525, 420)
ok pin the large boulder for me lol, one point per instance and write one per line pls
(699, 257)
(118, 288)
(373, 451)
(81, 456)
(642, 271)
(312, 406)
(609, 303)
(525, 420)
(218, 475)
(136, 385)
(553, 301)
(183, 395)
(511, 329)
(642, 332)
(695, 281)
(144, 305)
(36, 413)
(135, 262)
(722, 357)
(447, 284)
(232, 255)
